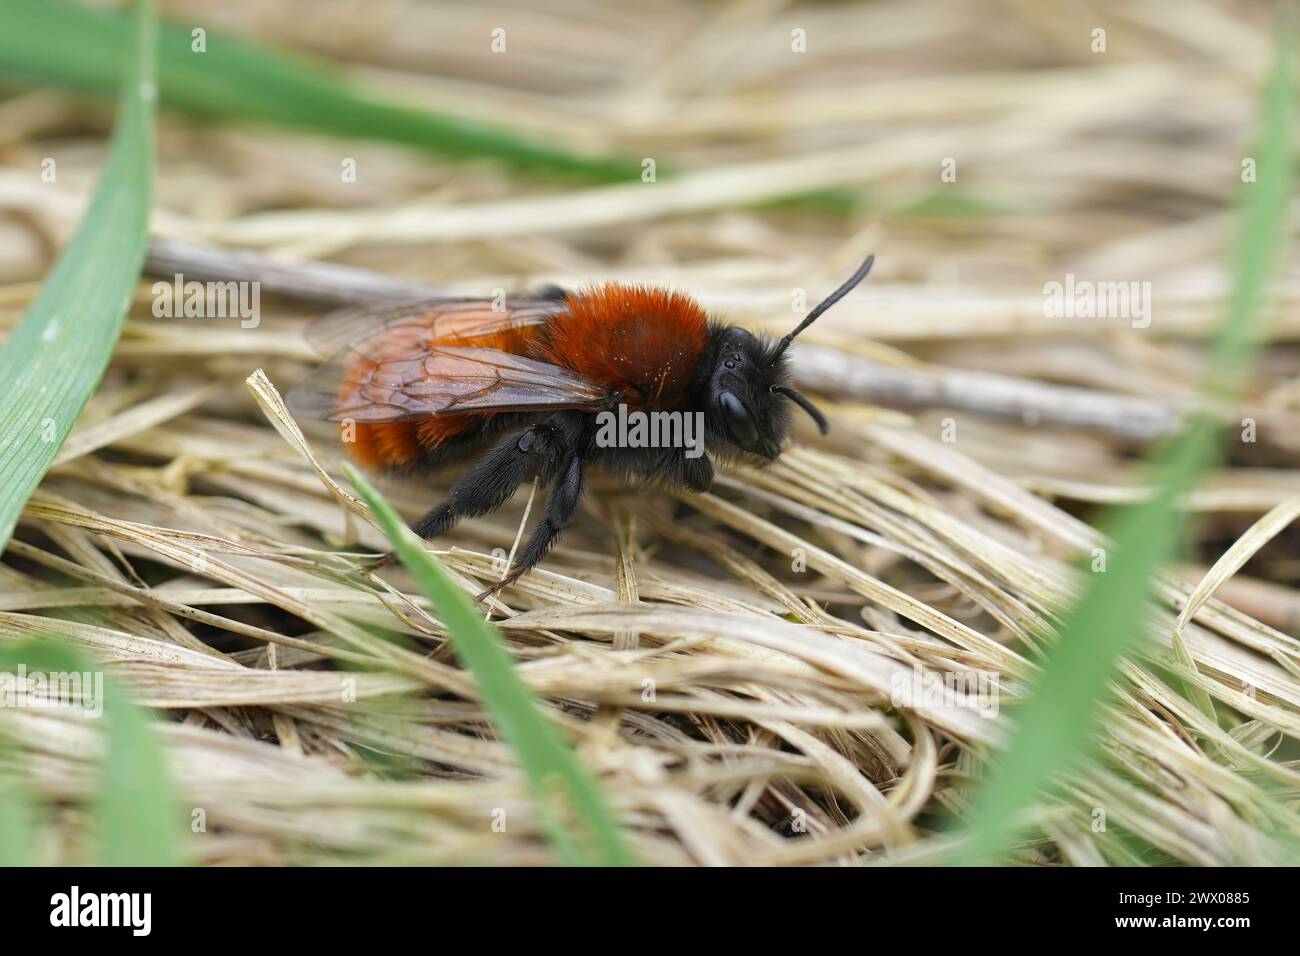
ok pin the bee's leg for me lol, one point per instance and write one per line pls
(673, 469)
(694, 474)
(492, 479)
(560, 509)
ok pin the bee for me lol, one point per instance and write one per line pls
(525, 387)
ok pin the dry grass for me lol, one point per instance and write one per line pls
(184, 539)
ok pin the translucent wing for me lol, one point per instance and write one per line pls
(442, 358)
(443, 318)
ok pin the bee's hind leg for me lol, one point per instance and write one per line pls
(560, 509)
(493, 479)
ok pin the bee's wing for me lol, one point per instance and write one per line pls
(415, 363)
(441, 318)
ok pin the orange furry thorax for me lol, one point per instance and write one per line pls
(641, 343)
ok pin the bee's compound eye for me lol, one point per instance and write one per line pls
(739, 421)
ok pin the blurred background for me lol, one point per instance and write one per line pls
(751, 153)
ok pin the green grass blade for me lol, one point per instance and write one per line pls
(56, 357)
(137, 817)
(18, 817)
(82, 49)
(1054, 726)
(575, 815)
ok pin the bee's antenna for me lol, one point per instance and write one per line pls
(825, 304)
(806, 405)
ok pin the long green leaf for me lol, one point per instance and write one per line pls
(574, 813)
(137, 817)
(56, 357)
(55, 43)
(1054, 727)
(18, 817)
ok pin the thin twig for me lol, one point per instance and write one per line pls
(1024, 400)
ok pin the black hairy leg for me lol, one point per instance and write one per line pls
(560, 509)
(678, 471)
(494, 478)
(669, 467)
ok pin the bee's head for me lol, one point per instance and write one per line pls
(749, 389)
(743, 411)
